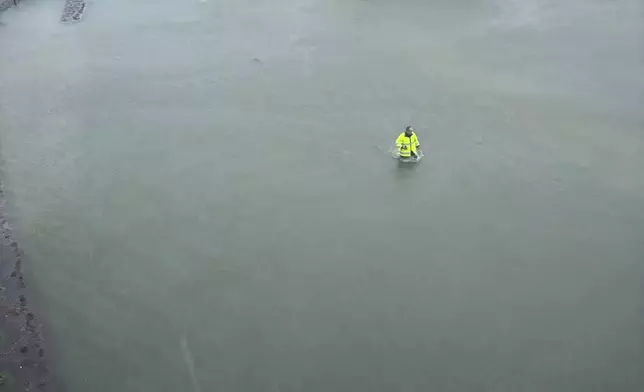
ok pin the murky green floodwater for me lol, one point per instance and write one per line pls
(204, 195)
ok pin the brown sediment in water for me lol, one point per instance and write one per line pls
(24, 364)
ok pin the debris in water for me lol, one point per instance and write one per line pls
(73, 11)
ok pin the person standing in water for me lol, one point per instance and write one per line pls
(408, 144)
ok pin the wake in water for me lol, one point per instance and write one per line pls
(187, 358)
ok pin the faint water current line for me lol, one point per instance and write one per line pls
(187, 357)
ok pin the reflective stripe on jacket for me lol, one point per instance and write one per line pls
(407, 144)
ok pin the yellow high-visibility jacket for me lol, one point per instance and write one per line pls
(407, 144)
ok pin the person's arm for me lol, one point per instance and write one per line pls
(399, 141)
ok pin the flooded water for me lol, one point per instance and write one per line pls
(204, 196)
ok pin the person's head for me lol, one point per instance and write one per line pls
(409, 131)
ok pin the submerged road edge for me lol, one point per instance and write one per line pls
(24, 365)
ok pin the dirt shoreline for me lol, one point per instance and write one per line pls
(6, 4)
(24, 364)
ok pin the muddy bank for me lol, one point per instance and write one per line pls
(5, 4)
(23, 352)
(72, 11)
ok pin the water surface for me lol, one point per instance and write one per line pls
(204, 193)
